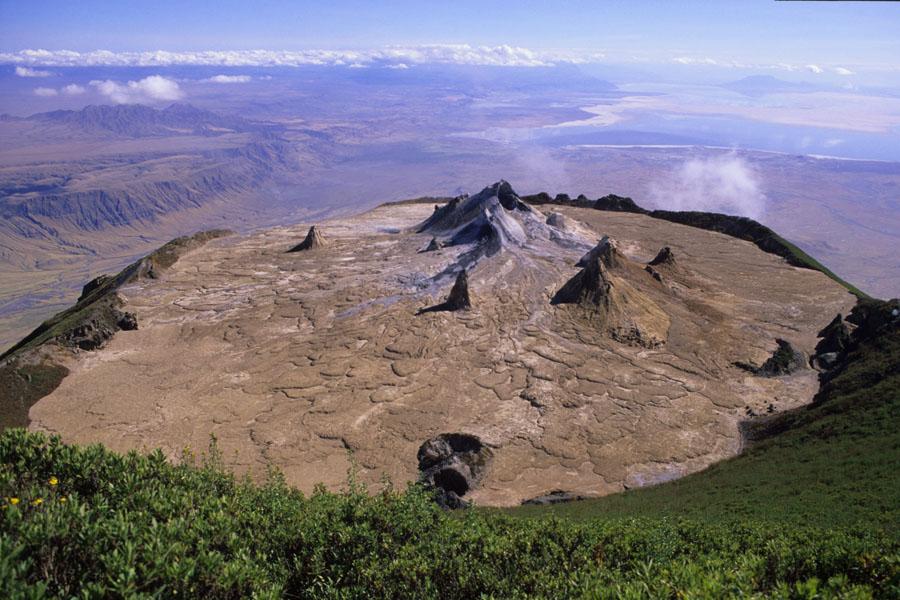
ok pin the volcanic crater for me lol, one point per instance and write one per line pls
(567, 362)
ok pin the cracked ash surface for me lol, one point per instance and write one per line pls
(294, 359)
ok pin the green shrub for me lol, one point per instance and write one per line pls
(91, 523)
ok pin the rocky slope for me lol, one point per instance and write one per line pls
(586, 379)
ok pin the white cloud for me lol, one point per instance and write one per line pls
(461, 54)
(228, 79)
(503, 55)
(689, 60)
(45, 92)
(398, 66)
(831, 143)
(722, 184)
(29, 72)
(150, 89)
(714, 62)
(73, 89)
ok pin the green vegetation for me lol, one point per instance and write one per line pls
(91, 523)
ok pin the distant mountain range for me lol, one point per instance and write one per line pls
(760, 85)
(136, 120)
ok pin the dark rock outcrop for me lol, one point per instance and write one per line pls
(459, 294)
(591, 285)
(663, 257)
(433, 245)
(539, 198)
(92, 285)
(128, 322)
(784, 361)
(507, 196)
(665, 260)
(452, 464)
(869, 320)
(653, 273)
(313, 240)
(90, 335)
(835, 337)
(554, 497)
(616, 203)
(458, 299)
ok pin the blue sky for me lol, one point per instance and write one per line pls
(858, 34)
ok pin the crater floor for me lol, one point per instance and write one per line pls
(312, 361)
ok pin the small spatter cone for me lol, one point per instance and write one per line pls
(433, 245)
(459, 294)
(663, 257)
(313, 240)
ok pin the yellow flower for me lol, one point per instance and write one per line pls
(63, 499)
(13, 500)
(37, 501)
(53, 480)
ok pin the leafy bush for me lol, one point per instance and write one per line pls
(86, 522)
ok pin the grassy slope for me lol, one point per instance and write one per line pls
(835, 463)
